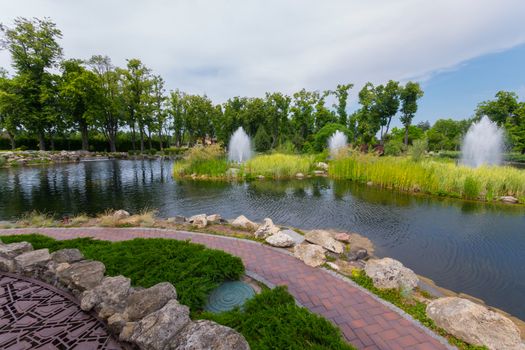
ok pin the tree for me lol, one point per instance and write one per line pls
(499, 110)
(11, 106)
(34, 50)
(176, 111)
(368, 119)
(303, 119)
(446, 134)
(341, 94)
(262, 141)
(278, 109)
(386, 104)
(322, 115)
(322, 136)
(409, 96)
(158, 99)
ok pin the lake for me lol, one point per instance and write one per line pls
(469, 247)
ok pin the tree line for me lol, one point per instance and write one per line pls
(49, 97)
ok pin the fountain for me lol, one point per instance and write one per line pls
(336, 142)
(240, 149)
(483, 144)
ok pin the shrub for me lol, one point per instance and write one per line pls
(262, 141)
(209, 161)
(322, 136)
(193, 269)
(418, 149)
(272, 320)
(394, 148)
(286, 147)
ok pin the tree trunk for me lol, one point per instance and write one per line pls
(12, 140)
(141, 140)
(406, 136)
(41, 141)
(112, 143)
(160, 139)
(149, 140)
(84, 132)
(52, 141)
(133, 137)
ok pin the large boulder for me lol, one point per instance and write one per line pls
(243, 222)
(82, 275)
(297, 237)
(69, 255)
(311, 254)
(7, 265)
(214, 219)
(204, 335)
(156, 330)
(267, 229)
(509, 199)
(29, 260)
(109, 297)
(121, 214)
(475, 324)
(12, 250)
(146, 301)
(280, 239)
(199, 221)
(326, 240)
(388, 273)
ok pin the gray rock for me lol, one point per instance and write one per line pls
(146, 301)
(204, 335)
(198, 221)
(116, 323)
(322, 166)
(27, 261)
(69, 255)
(7, 265)
(310, 254)
(243, 222)
(13, 249)
(388, 273)
(109, 297)
(82, 275)
(357, 254)
(177, 219)
(299, 175)
(156, 330)
(297, 237)
(214, 219)
(121, 214)
(325, 239)
(267, 229)
(475, 324)
(280, 239)
(509, 199)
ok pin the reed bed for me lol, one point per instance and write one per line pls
(278, 165)
(432, 177)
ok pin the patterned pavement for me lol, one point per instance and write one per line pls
(365, 321)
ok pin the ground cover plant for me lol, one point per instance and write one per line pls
(272, 320)
(193, 269)
(443, 178)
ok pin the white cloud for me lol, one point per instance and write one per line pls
(235, 47)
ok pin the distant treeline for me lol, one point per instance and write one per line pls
(54, 103)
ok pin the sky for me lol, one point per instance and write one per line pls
(462, 52)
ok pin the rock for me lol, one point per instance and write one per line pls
(7, 265)
(121, 214)
(82, 275)
(322, 166)
(310, 254)
(357, 254)
(243, 222)
(116, 323)
(146, 301)
(509, 199)
(127, 331)
(266, 229)
(260, 177)
(319, 173)
(370, 183)
(177, 219)
(297, 237)
(198, 221)
(27, 261)
(333, 266)
(299, 175)
(204, 335)
(325, 239)
(214, 219)
(67, 256)
(474, 323)
(388, 273)
(109, 297)
(13, 249)
(342, 237)
(156, 330)
(280, 239)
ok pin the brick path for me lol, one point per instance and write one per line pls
(365, 322)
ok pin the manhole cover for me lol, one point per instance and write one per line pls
(229, 295)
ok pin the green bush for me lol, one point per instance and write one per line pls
(322, 136)
(262, 141)
(272, 320)
(193, 269)
(286, 147)
(418, 149)
(394, 148)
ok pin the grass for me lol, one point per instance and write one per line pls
(208, 161)
(414, 308)
(443, 178)
(193, 269)
(272, 320)
(146, 218)
(36, 219)
(278, 165)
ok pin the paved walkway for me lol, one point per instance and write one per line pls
(365, 322)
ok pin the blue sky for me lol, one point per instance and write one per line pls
(462, 52)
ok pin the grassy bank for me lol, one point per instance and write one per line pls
(270, 320)
(432, 177)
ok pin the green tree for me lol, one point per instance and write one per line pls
(159, 113)
(386, 104)
(262, 141)
(303, 119)
(278, 109)
(500, 109)
(11, 107)
(446, 134)
(34, 51)
(322, 115)
(409, 95)
(368, 119)
(322, 136)
(341, 94)
(177, 112)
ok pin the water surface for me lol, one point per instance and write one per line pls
(469, 247)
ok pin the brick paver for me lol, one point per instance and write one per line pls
(365, 322)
